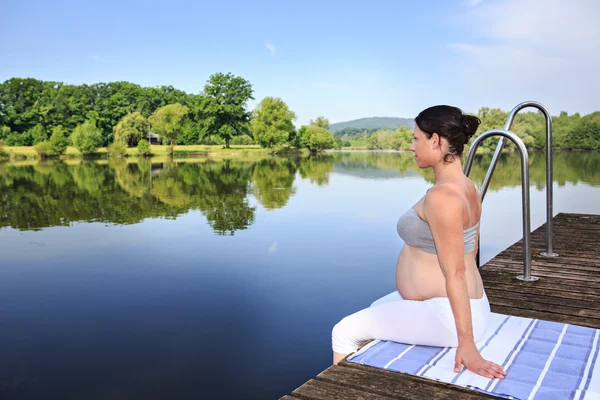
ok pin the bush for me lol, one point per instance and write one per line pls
(212, 140)
(87, 137)
(131, 129)
(337, 143)
(18, 139)
(143, 148)
(59, 140)
(244, 140)
(4, 132)
(37, 134)
(117, 150)
(3, 153)
(44, 150)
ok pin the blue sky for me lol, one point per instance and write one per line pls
(340, 59)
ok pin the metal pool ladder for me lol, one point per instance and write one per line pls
(507, 134)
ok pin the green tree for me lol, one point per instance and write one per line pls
(38, 134)
(244, 140)
(373, 142)
(3, 153)
(59, 140)
(321, 122)
(491, 118)
(131, 129)
(87, 137)
(44, 150)
(167, 122)
(272, 122)
(4, 132)
(318, 139)
(17, 100)
(18, 139)
(189, 133)
(300, 138)
(585, 136)
(337, 143)
(117, 150)
(143, 148)
(221, 110)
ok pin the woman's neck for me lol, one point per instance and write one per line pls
(448, 172)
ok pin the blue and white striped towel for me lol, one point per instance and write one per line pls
(544, 360)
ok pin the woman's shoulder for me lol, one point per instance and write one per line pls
(442, 191)
(448, 201)
(443, 196)
(451, 191)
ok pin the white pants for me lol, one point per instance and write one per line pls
(429, 322)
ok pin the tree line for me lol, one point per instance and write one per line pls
(52, 115)
(569, 132)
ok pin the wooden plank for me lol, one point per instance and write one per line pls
(570, 275)
(553, 263)
(560, 242)
(516, 264)
(548, 316)
(394, 384)
(525, 298)
(492, 278)
(586, 253)
(568, 278)
(574, 294)
(536, 305)
(319, 390)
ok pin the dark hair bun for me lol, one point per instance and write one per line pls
(450, 123)
(470, 123)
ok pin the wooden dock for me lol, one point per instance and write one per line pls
(568, 291)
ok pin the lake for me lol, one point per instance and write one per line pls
(140, 280)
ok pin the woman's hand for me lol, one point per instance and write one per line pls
(467, 354)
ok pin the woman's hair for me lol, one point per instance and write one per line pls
(450, 123)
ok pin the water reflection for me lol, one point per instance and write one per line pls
(170, 309)
(124, 192)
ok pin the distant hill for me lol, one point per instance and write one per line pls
(372, 123)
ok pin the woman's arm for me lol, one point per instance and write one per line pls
(443, 210)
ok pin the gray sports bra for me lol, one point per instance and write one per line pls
(416, 232)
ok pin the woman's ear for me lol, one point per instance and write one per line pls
(436, 141)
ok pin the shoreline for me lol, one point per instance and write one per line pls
(28, 153)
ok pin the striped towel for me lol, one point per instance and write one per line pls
(544, 360)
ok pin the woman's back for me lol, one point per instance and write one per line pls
(419, 275)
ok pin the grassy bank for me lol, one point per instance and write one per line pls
(28, 152)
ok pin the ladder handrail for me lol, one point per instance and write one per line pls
(549, 179)
(524, 190)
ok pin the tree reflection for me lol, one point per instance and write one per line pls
(274, 182)
(317, 168)
(124, 192)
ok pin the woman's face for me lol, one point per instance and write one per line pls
(423, 148)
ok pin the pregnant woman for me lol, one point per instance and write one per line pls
(440, 300)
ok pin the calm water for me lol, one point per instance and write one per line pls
(153, 281)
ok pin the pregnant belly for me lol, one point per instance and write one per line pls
(418, 275)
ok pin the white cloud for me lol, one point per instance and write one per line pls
(271, 48)
(544, 50)
(273, 248)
